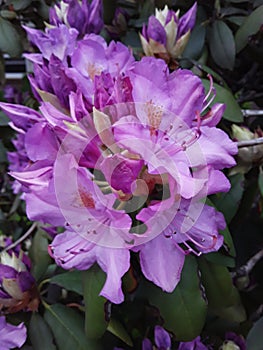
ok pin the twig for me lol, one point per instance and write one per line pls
(252, 112)
(249, 143)
(22, 238)
(248, 267)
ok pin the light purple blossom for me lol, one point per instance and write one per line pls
(11, 336)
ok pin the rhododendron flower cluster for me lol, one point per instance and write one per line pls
(122, 154)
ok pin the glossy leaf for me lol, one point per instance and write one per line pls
(233, 111)
(95, 323)
(12, 47)
(223, 297)
(228, 203)
(71, 280)
(255, 336)
(39, 254)
(196, 43)
(222, 45)
(68, 328)
(250, 26)
(116, 328)
(183, 310)
(40, 334)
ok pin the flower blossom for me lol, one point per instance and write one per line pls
(11, 336)
(122, 158)
(167, 35)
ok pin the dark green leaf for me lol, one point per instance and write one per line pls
(71, 280)
(228, 203)
(223, 297)
(222, 45)
(196, 42)
(255, 336)
(238, 20)
(40, 334)
(250, 26)
(223, 95)
(12, 47)
(221, 259)
(3, 157)
(93, 281)
(39, 254)
(183, 310)
(68, 328)
(116, 328)
(260, 181)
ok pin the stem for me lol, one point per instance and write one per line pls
(249, 143)
(22, 238)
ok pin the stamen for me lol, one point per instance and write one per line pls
(210, 91)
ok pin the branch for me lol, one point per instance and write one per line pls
(252, 112)
(249, 143)
(22, 238)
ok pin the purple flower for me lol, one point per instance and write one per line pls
(17, 285)
(195, 344)
(11, 336)
(166, 35)
(84, 16)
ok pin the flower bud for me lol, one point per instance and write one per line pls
(247, 156)
(167, 35)
(17, 286)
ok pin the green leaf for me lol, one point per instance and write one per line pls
(39, 254)
(250, 26)
(255, 336)
(71, 280)
(196, 43)
(40, 334)
(183, 310)
(116, 328)
(12, 47)
(228, 203)
(3, 157)
(68, 328)
(95, 323)
(221, 259)
(222, 45)
(238, 20)
(223, 297)
(223, 95)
